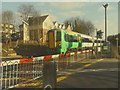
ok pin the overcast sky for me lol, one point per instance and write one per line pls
(60, 11)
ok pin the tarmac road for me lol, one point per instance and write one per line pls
(97, 73)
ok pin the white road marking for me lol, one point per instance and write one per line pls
(90, 70)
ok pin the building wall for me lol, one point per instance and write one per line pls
(8, 28)
(47, 25)
(35, 29)
(35, 32)
(39, 28)
(25, 32)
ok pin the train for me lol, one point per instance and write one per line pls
(63, 41)
(60, 41)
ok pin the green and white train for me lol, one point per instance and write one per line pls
(63, 41)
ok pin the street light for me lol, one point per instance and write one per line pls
(117, 46)
(105, 6)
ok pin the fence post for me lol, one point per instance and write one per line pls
(49, 74)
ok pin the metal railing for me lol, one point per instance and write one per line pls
(16, 72)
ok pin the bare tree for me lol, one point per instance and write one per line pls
(27, 10)
(80, 25)
(7, 17)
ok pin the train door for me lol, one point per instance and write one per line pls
(52, 39)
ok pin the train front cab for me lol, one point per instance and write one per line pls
(61, 41)
(54, 40)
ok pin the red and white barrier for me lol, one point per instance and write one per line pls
(25, 60)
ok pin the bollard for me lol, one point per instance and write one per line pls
(49, 74)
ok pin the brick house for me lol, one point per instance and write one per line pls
(38, 28)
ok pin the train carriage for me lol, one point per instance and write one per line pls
(61, 41)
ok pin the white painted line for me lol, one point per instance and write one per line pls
(90, 70)
(100, 60)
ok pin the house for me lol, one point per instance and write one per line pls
(58, 26)
(38, 28)
(55, 25)
(21, 31)
(7, 28)
(24, 31)
(69, 28)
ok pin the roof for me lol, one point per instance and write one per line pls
(39, 18)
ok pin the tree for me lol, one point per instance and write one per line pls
(28, 10)
(81, 26)
(7, 17)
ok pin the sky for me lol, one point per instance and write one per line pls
(60, 11)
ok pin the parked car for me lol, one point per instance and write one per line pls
(15, 37)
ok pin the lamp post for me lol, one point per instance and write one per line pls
(117, 46)
(105, 6)
(96, 44)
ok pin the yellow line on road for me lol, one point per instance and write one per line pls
(61, 78)
(87, 65)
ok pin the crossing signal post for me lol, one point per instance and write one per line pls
(98, 35)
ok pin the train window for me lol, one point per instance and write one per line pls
(58, 36)
(97, 41)
(66, 37)
(103, 41)
(70, 38)
(74, 39)
(85, 39)
(90, 41)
